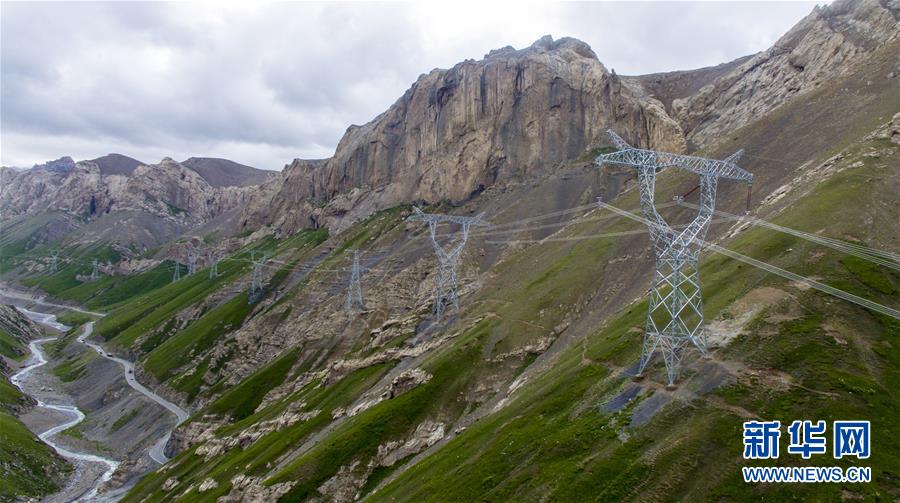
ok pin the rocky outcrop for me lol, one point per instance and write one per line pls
(168, 190)
(817, 49)
(18, 326)
(455, 132)
(149, 206)
(22, 330)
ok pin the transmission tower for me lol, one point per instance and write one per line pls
(214, 266)
(177, 275)
(192, 263)
(445, 295)
(354, 290)
(94, 272)
(54, 255)
(675, 313)
(256, 282)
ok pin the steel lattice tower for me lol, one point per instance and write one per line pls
(177, 275)
(354, 289)
(213, 266)
(94, 272)
(445, 295)
(192, 263)
(675, 313)
(54, 255)
(256, 281)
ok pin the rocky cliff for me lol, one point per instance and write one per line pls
(817, 49)
(523, 112)
(455, 132)
(168, 197)
(18, 328)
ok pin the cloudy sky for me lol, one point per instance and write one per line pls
(262, 84)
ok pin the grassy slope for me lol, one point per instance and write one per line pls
(18, 238)
(191, 469)
(10, 347)
(555, 442)
(29, 465)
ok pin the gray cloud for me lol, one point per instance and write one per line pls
(264, 84)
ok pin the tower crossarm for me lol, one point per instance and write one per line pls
(440, 218)
(641, 158)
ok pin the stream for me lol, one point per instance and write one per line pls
(39, 358)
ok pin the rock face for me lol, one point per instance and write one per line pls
(19, 327)
(522, 112)
(22, 331)
(814, 50)
(172, 195)
(458, 131)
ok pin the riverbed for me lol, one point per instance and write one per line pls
(58, 414)
(25, 380)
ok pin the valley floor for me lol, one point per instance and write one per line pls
(122, 422)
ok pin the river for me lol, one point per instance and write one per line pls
(39, 358)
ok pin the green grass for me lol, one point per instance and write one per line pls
(123, 420)
(127, 323)
(74, 367)
(63, 284)
(10, 396)
(360, 436)
(30, 468)
(10, 347)
(553, 444)
(142, 314)
(255, 459)
(17, 238)
(74, 318)
(191, 381)
(242, 400)
(871, 274)
(197, 337)
(552, 441)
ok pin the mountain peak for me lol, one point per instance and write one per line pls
(547, 44)
(116, 164)
(226, 173)
(64, 164)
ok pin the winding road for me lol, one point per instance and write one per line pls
(157, 451)
(13, 294)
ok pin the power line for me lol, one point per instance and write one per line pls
(880, 257)
(868, 304)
